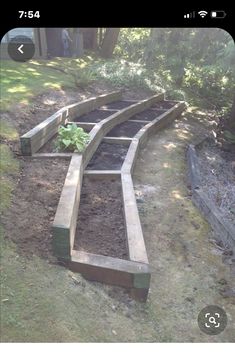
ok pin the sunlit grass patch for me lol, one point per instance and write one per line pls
(8, 166)
(8, 131)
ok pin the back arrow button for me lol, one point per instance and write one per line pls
(20, 48)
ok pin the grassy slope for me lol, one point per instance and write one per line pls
(22, 81)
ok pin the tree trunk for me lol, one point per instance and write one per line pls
(109, 42)
(149, 51)
(95, 39)
(101, 37)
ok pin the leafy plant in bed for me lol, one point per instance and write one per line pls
(71, 139)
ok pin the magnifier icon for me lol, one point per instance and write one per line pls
(212, 320)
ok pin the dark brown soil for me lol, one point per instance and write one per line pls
(148, 115)
(126, 129)
(101, 226)
(28, 221)
(118, 105)
(164, 104)
(108, 157)
(95, 116)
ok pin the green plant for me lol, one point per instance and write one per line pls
(71, 138)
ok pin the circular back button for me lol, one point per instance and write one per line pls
(21, 48)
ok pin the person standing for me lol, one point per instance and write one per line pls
(66, 40)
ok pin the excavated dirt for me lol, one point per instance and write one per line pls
(148, 115)
(29, 219)
(101, 226)
(126, 129)
(95, 116)
(108, 157)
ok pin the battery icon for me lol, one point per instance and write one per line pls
(218, 14)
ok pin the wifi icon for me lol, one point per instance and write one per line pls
(202, 13)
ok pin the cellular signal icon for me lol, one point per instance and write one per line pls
(190, 15)
(202, 13)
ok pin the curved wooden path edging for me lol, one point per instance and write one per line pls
(34, 139)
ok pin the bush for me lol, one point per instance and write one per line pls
(212, 82)
(71, 138)
(121, 73)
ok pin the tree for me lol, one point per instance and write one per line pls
(109, 42)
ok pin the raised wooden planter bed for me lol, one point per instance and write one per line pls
(33, 140)
(114, 269)
(103, 238)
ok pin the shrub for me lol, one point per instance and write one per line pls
(71, 138)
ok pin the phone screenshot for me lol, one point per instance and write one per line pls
(118, 178)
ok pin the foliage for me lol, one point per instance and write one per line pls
(83, 78)
(121, 73)
(188, 62)
(210, 82)
(131, 43)
(71, 138)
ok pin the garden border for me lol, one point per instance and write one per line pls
(223, 228)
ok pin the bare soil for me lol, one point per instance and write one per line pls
(108, 157)
(95, 116)
(29, 219)
(148, 115)
(101, 226)
(126, 129)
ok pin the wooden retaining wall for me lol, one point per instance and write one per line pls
(134, 274)
(223, 228)
(33, 140)
(64, 223)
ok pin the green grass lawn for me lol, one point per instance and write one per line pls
(21, 82)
